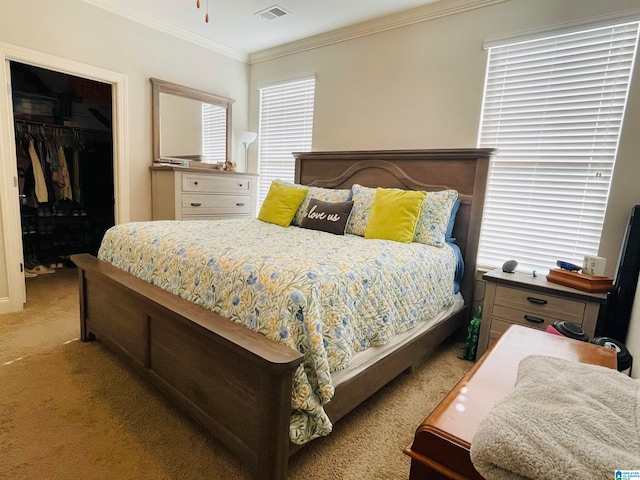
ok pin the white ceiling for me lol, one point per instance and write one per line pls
(235, 29)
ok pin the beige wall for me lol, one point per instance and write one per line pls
(81, 32)
(420, 86)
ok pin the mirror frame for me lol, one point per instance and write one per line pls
(162, 86)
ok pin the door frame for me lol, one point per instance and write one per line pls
(12, 281)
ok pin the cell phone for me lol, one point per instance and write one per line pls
(568, 266)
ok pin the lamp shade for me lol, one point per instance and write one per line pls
(247, 137)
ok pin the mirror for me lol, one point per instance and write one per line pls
(190, 124)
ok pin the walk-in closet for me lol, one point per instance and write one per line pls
(64, 160)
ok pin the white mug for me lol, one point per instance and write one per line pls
(594, 265)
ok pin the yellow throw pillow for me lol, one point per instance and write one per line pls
(394, 214)
(281, 203)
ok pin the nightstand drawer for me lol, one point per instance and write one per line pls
(540, 304)
(215, 183)
(497, 329)
(216, 204)
(525, 318)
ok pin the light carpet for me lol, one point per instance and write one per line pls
(74, 411)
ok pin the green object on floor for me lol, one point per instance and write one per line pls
(473, 332)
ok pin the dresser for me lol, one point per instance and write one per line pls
(521, 299)
(192, 193)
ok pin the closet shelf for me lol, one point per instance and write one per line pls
(62, 127)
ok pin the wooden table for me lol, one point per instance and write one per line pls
(440, 449)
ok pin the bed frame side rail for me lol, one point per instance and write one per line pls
(360, 387)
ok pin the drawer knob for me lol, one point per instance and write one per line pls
(240, 204)
(537, 301)
(193, 204)
(195, 183)
(529, 318)
(240, 184)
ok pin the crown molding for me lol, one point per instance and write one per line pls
(425, 13)
(149, 21)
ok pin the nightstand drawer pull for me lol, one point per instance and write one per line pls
(537, 301)
(194, 204)
(239, 204)
(529, 318)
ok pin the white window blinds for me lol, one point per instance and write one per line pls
(214, 133)
(553, 107)
(286, 126)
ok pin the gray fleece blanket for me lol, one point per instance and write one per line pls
(564, 420)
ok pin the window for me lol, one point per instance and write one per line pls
(553, 107)
(286, 125)
(214, 133)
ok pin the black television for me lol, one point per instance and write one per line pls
(614, 318)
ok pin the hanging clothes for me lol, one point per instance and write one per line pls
(65, 180)
(24, 170)
(53, 154)
(45, 162)
(41, 187)
(76, 176)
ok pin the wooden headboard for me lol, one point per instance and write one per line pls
(464, 170)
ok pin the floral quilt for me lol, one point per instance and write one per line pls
(328, 296)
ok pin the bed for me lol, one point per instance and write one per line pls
(238, 383)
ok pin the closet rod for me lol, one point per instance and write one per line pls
(64, 127)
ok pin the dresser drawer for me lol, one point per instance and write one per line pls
(215, 183)
(212, 217)
(193, 204)
(540, 304)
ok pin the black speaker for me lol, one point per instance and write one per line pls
(614, 319)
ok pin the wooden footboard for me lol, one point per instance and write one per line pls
(235, 382)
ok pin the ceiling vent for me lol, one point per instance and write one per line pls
(272, 13)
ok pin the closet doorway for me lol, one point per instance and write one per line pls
(12, 279)
(64, 158)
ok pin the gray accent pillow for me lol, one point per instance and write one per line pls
(328, 217)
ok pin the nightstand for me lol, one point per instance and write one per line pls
(516, 298)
